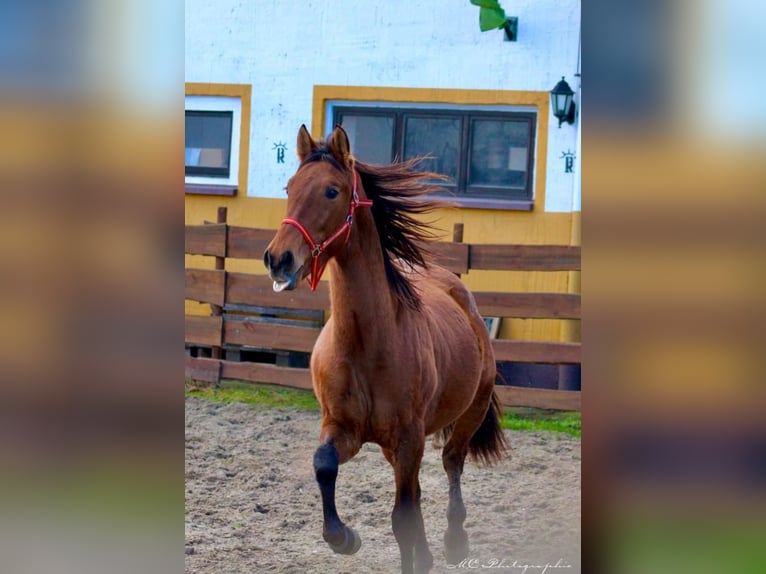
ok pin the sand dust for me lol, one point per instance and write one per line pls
(252, 504)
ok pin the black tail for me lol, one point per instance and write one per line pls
(488, 443)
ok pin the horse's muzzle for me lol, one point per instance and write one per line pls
(281, 270)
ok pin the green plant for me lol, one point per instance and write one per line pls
(491, 15)
(529, 419)
(256, 394)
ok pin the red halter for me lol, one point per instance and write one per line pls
(318, 248)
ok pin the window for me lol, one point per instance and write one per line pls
(217, 138)
(488, 155)
(208, 143)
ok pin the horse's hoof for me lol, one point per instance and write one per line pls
(351, 542)
(455, 545)
(424, 561)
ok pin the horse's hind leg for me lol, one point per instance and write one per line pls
(453, 459)
(341, 538)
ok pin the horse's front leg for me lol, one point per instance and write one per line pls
(341, 538)
(407, 519)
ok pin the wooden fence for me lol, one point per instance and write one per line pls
(230, 292)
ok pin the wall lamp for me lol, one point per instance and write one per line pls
(562, 102)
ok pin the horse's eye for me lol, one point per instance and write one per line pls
(331, 193)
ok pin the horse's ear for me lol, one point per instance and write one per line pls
(305, 144)
(339, 146)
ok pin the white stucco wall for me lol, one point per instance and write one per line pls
(284, 49)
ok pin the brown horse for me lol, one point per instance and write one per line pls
(405, 352)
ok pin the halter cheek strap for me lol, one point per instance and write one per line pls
(318, 248)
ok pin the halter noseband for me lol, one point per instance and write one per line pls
(317, 248)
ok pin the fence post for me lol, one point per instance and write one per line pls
(217, 310)
(457, 236)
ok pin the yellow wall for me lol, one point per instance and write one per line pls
(480, 225)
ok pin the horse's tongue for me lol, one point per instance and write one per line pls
(280, 286)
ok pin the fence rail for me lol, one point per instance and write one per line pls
(236, 292)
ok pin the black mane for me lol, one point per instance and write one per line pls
(319, 154)
(399, 193)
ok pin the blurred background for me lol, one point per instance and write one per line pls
(91, 306)
(673, 285)
(91, 285)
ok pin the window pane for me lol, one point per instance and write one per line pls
(372, 136)
(499, 153)
(438, 137)
(208, 142)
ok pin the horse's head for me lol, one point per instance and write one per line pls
(321, 199)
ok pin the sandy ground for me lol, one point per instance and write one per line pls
(252, 504)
